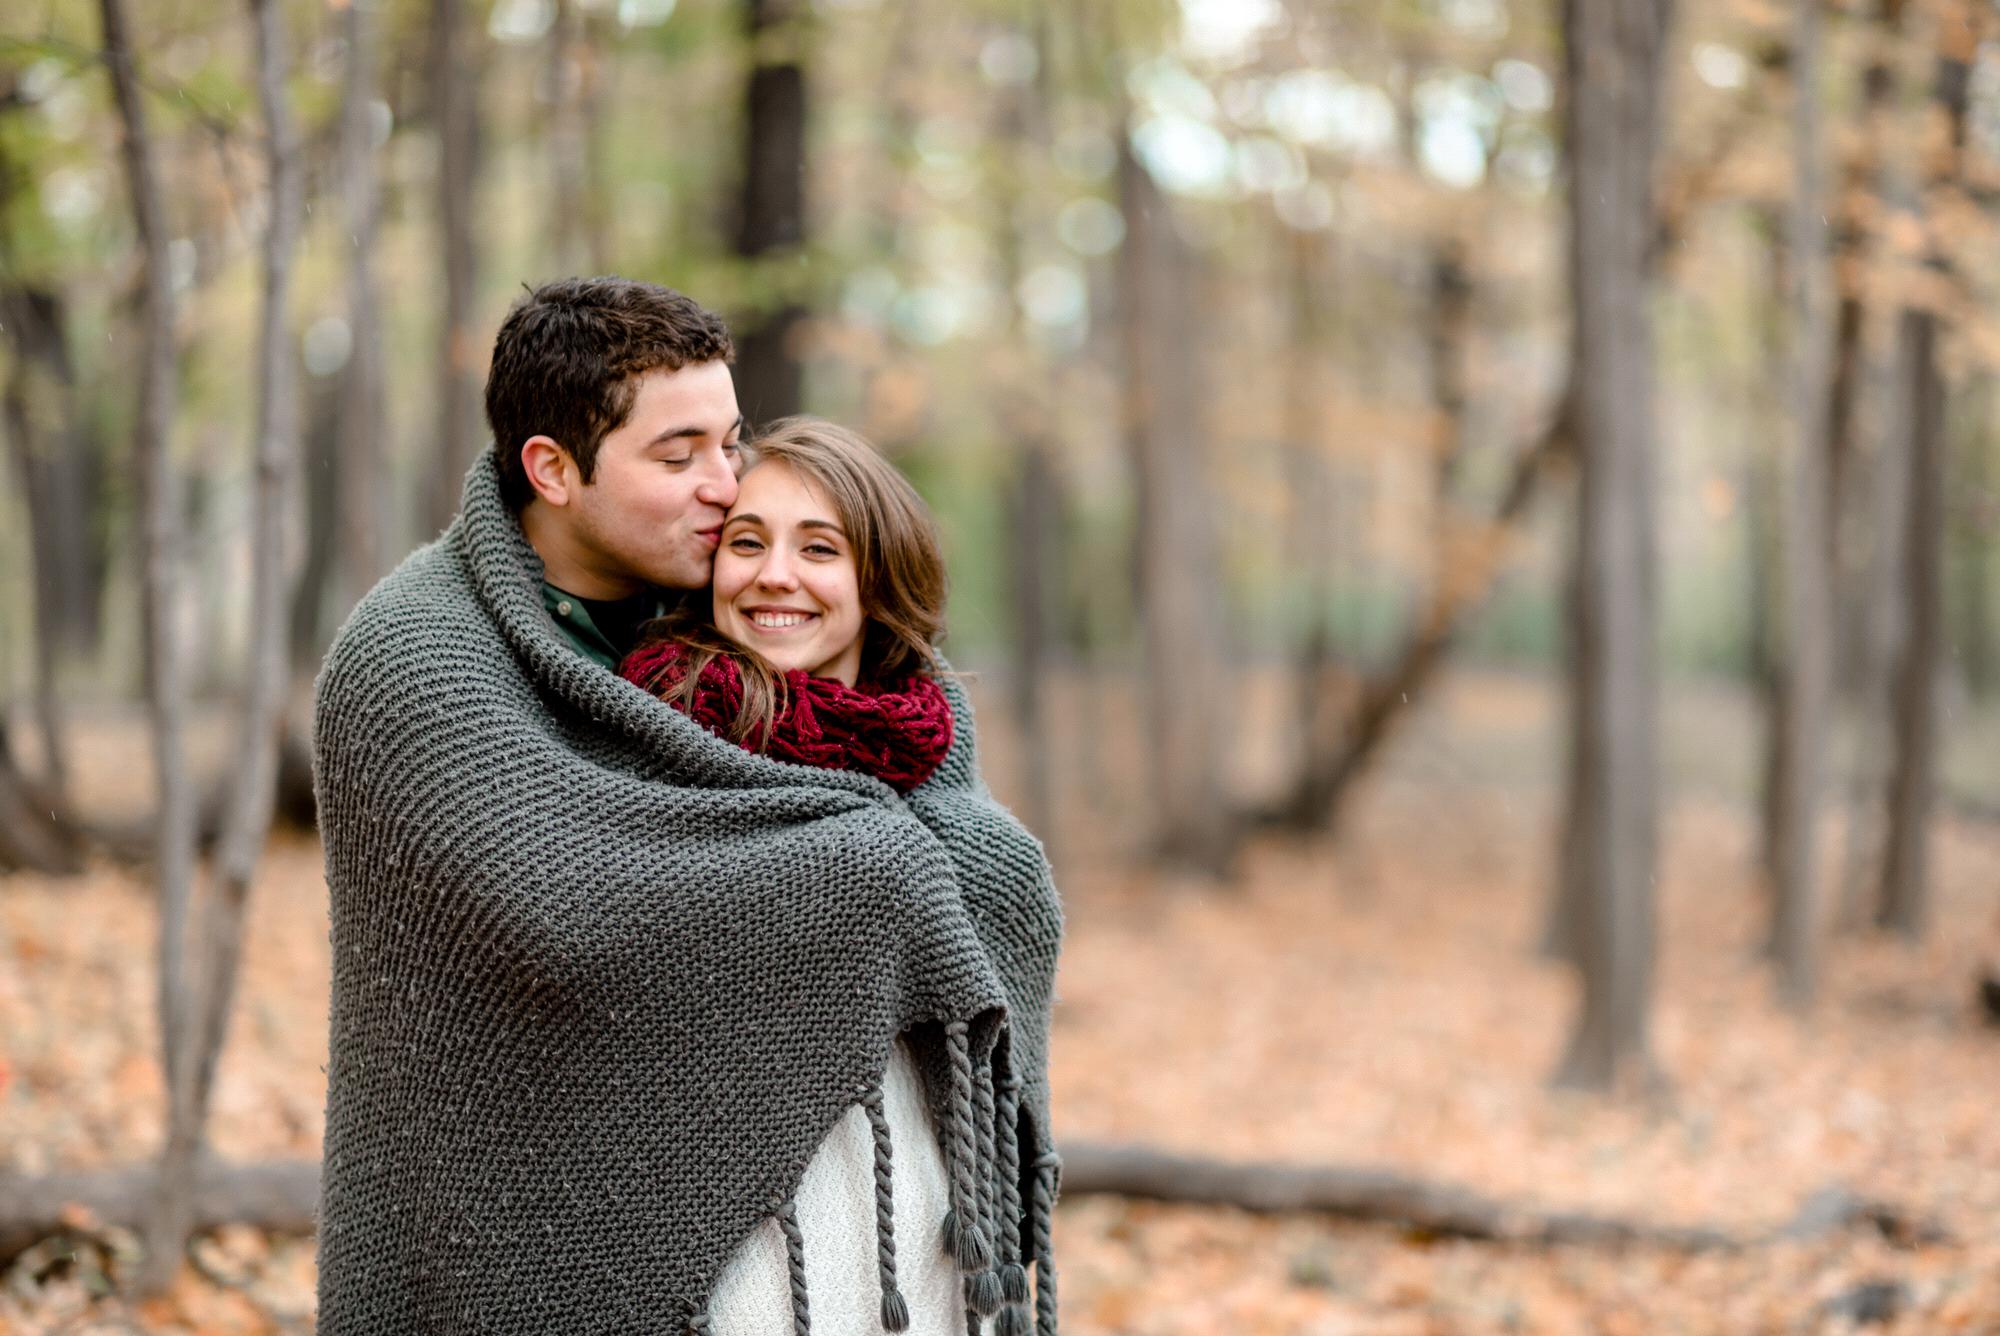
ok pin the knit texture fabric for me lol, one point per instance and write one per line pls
(899, 733)
(603, 981)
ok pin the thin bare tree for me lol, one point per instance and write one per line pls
(32, 835)
(1178, 583)
(1807, 604)
(1856, 201)
(574, 78)
(363, 424)
(1904, 904)
(30, 316)
(175, 802)
(1311, 521)
(1867, 526)
(453, 75)
(1023, 406)
(216, 939)
(1614, 61)
(771, 216)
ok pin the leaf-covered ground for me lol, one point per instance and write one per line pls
(1381, 1005)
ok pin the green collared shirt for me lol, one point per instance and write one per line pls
(593, 625)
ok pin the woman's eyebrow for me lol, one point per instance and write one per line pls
(822, 524)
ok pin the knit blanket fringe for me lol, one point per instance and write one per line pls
(983, 1231)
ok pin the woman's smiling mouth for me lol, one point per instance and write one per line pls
(779, 619)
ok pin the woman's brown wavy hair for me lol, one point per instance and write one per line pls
(898, 566)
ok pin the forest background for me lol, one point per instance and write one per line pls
(1550, 443)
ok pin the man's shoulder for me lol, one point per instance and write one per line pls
(422, 608)
(429, 582)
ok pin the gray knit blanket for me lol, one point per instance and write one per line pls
(603, 982)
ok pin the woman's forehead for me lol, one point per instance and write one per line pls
(772, 492)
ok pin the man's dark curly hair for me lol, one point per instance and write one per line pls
(568, 359)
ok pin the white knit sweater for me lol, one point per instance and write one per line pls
(836, 1214)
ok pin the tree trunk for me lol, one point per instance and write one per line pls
(218, 938)
(1322, 732)
(1768, 410)
(1615, 53)
(361, 456)
(1179, 597)
(1851, 240)
(1974, 640)
(29, 316)
(772, 223)
(1037, 531)
(1808, 593)
(1763, 506)
(1904, 906)
(312, 613)
(1037, 509)
(154, 465)
(576, 178)
(33, 837)
(1448, 336)
(454, 84)
(54, 446)
(1879, 632)
(1569, 905)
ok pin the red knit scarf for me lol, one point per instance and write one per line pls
(898, 735)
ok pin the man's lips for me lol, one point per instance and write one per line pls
(709, 537)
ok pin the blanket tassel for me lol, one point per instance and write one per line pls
(795, 1259)
(895, 1309)
(1013, 1319)
(1047, 1164)
(963, 1238)
(983, 1287)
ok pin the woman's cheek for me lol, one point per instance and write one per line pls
(728, 579)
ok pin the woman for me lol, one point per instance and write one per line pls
(816, 647)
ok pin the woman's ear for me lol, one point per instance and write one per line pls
(549, 469)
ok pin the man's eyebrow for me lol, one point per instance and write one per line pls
(681, 433)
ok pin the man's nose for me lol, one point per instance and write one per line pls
(718, 484)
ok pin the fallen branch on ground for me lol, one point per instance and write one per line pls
(280, 1197)
(1442, 1209)
(274, 1195)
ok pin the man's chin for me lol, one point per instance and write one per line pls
(693, 574)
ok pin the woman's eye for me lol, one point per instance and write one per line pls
(821, 550)
(744, 544)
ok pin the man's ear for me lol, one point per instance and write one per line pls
(551, 471)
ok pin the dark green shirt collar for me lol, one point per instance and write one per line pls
(573, 617)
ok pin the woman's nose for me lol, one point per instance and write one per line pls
(776, 572)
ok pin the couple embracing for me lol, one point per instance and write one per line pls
(686, 976)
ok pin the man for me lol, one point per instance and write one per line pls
(601, 981)
(617, 439)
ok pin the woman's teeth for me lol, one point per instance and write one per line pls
(774, 621)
